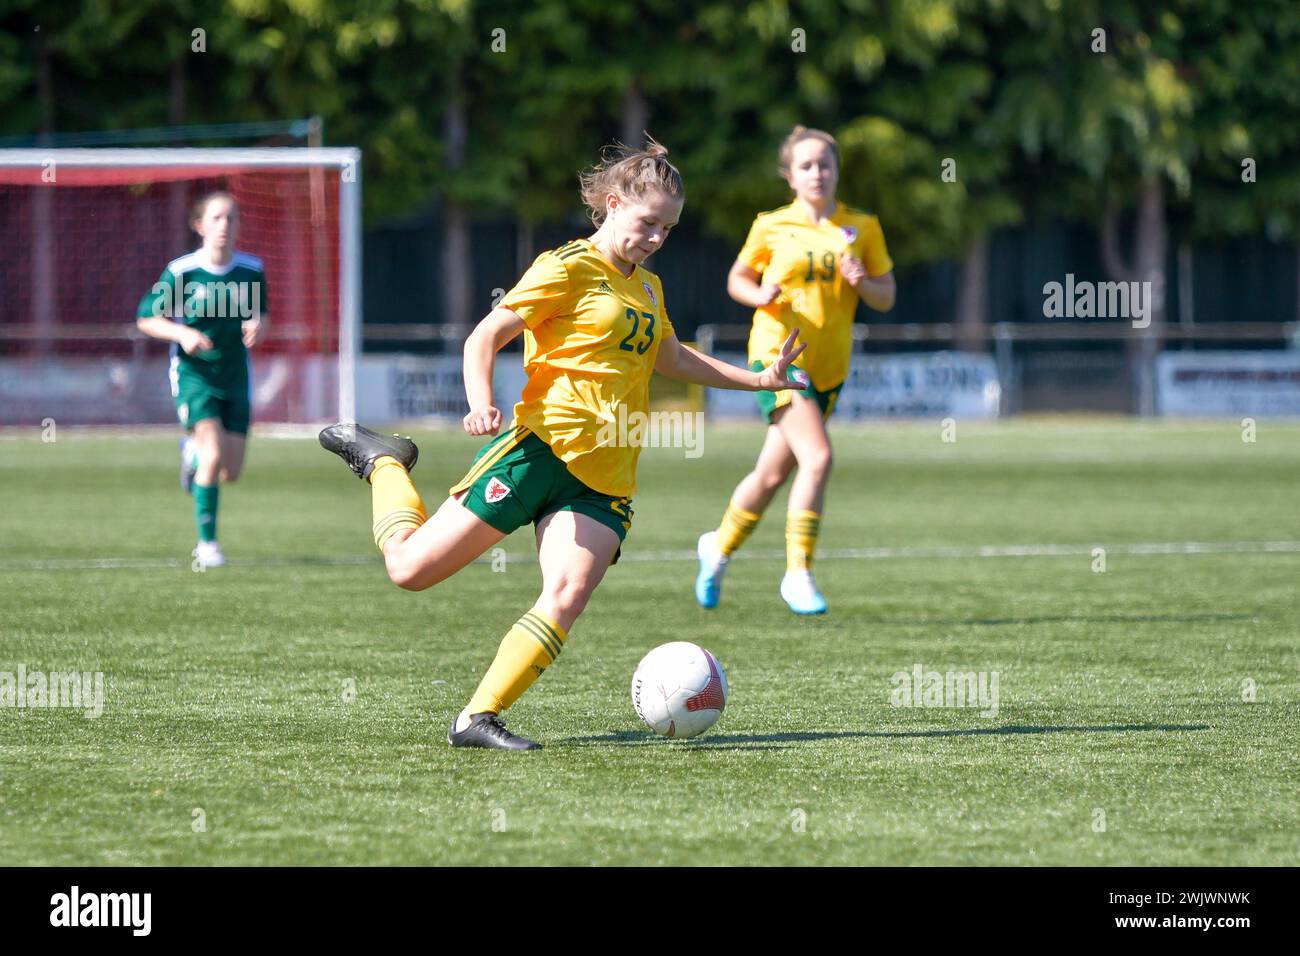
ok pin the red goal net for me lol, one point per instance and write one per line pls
(85, 240)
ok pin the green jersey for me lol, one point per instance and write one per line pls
(216, 300)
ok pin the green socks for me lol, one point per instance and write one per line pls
(205, 510)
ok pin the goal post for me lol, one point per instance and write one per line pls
(85, 233)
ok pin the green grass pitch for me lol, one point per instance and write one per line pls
(230, 734)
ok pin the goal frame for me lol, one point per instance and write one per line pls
(343, 159)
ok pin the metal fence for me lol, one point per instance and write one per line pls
(1058, 366)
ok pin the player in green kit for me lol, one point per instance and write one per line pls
(212, 306)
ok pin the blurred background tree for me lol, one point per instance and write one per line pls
(956, 118)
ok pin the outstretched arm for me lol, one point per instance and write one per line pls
(685, 364)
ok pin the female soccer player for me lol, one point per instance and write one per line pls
(594, 327)
(804, 265)
(212, 306)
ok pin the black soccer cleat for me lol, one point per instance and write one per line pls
(360, 447)
(486, 730)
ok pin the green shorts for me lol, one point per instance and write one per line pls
(196, 400)
(769, 402)
(516, 478)
(196, 405)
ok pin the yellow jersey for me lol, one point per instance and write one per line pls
(591, 339)
(785, 247)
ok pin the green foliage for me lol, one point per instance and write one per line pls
(1014, 93)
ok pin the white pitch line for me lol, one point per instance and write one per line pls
(1002, 551)
(112, 564)
(855, 554)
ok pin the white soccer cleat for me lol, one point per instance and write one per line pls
(801, 594)
(209, 555)
(708, 583)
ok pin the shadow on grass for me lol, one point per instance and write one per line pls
(641, 738)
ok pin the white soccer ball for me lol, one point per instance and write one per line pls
(679, 690)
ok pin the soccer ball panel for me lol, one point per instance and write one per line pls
(649, 701)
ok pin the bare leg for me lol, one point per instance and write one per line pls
(775, 462)
(209, 440)
(232, 455)
(575, 551)
(452, 538)
(744, 509)
(804, 431)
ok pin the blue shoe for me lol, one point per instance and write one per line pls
(708, 584)
(799, 592)
(189, 465)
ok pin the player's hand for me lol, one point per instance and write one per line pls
(852, 269)
(767, 294)
(252, 330)
(193, 341)
(774, 378)
(483, 421)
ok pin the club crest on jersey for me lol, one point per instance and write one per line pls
(650, 292)
(496, 490)
(850, 233)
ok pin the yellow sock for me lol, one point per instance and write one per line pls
(737, 525)
(396, 504)
(801, 529)
(528, 648)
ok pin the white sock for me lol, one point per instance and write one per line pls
(462, 721)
